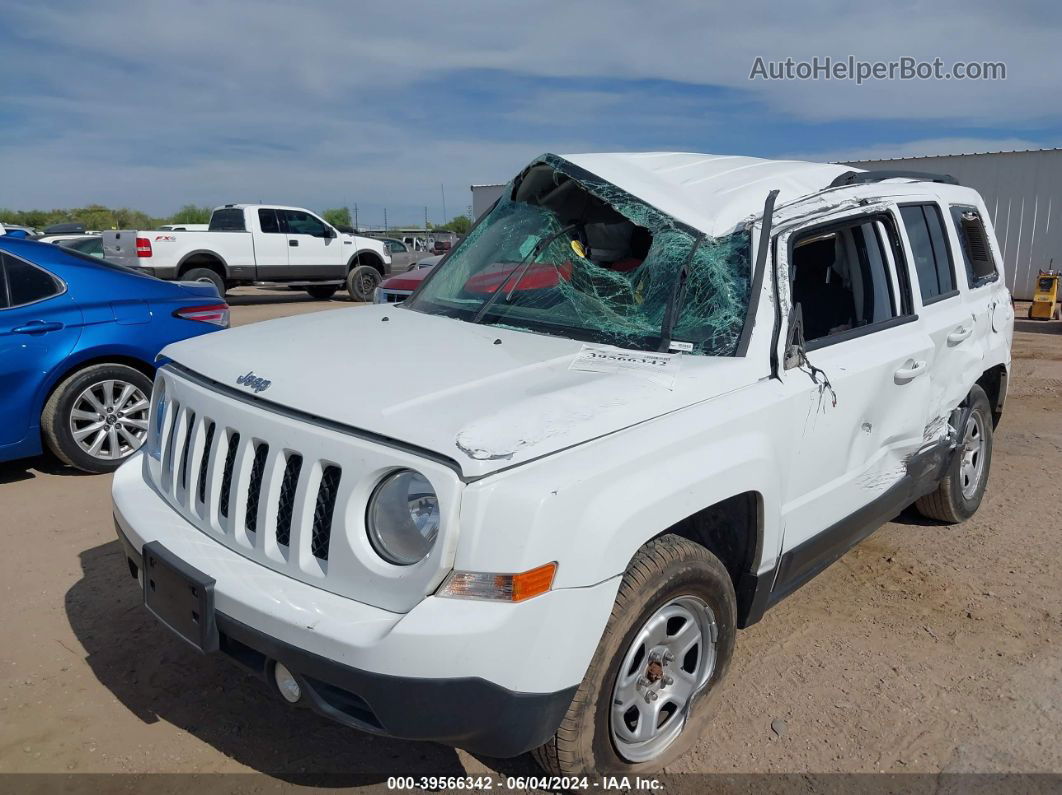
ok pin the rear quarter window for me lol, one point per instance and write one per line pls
(227, 220)
(973, 242)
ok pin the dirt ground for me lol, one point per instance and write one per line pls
(925, 649)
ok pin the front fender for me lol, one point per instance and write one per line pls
(591, 507)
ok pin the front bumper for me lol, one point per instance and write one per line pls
(492, 678)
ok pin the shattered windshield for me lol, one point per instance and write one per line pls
(563, 252)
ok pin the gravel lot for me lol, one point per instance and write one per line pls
(925, 649)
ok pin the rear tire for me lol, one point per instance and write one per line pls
(959, 494)
(362, 282)
(321, 293)
(71, 432)
(205, 275)
(671, 581)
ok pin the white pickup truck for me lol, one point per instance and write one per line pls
(249, 243)
(645, 399)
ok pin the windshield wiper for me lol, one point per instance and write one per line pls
(678, 294)
(526, 263)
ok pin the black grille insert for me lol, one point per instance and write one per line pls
(254, 488)
(207, 447)
(287, 498)
(226, 476)
(322, 512)
(187, 451)
(171, 438)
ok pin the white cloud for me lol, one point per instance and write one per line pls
(156, 104)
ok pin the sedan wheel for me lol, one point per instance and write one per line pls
(97, 417)
(109, 419)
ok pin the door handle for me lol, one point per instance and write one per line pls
(961, 333)
(37, 327)
(910, 370)
(293, 242)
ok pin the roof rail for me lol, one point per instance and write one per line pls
(859, 177)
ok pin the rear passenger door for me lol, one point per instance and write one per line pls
(39, 326)
(956, 329)
(312, 252)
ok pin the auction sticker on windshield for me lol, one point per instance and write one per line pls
(660, 368)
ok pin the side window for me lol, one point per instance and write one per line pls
(973, 239)
(395, 247)
(841, 280)
(27, 284)
(301, 223)
(932, 261)
(4, 303)
(269, 222)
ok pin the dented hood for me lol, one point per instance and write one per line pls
(488, 398)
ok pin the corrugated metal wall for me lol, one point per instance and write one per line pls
(1023, 193)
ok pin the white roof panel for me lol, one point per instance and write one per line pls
(713, 193)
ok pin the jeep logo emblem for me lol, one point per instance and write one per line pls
(252, 381)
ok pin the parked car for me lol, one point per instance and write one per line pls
(402, 258)
(400, 286)
(78, 341)
(251, 243)
(86, 244)
(645, 399)
(24, 231)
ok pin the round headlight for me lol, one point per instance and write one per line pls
(403, 518)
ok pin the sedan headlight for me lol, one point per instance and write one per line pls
(403, 518)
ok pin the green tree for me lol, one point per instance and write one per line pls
(459, 224)
(339, 217)
(191, 214)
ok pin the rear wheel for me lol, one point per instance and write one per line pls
(646, 695)
(362, 281)
(98, 417)
(206, 275)
(321, 293)
(959, 494)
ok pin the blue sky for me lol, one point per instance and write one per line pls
(154, 105)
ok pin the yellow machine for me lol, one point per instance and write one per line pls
(1044, 305)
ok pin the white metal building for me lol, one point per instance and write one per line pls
(1020, 190)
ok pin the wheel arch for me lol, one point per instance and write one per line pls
(72, 366)
(367, 256)
(994, 382)
(203, 258)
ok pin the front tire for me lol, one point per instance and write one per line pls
(206, 275)
(959, 493)
(97, 417)
(667, 645)
(362, 282)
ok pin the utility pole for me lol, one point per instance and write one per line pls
(385, 219)
(425, 217)
(355, 216)
(442, 189)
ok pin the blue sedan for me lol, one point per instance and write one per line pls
(78, 341)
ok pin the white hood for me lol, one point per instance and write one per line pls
(487, 398)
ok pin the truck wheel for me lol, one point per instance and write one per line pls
(97, 417)
(666, 647)
(362, 281)
(321, 293)
(205, 275)
(959, 494)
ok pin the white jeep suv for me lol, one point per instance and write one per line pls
(645, 399)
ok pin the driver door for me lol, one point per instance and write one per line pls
(312, 251)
